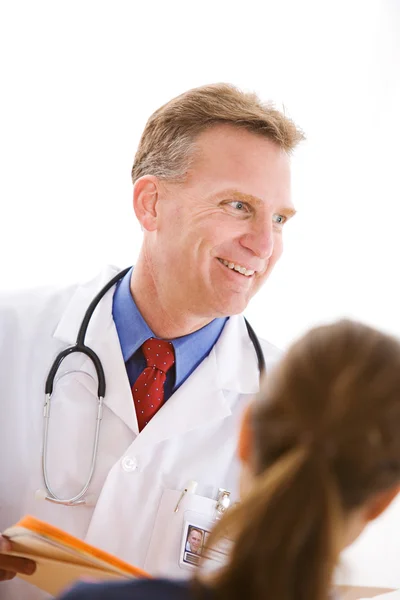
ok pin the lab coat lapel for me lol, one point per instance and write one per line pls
(118, 391)
(202, 399)
(102, 337)
(231, 366)
(236, 358)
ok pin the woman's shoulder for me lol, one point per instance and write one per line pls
(143, 589)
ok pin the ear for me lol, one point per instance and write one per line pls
(244, 449)
(145, 198)
(380, 503)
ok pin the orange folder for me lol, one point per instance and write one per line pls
(61, 558)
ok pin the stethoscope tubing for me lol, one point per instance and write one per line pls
(80, 347)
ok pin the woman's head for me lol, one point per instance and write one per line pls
(336, 396)
(322, 444)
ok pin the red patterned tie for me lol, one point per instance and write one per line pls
(148, 389)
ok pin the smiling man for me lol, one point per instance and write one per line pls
(212, 195)
(212, 240)
(194, 541)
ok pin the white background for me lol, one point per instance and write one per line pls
(79, 79)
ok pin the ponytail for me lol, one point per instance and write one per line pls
(286, 533)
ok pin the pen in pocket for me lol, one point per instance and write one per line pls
(189, 489)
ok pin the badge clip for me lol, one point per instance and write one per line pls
(223, 502)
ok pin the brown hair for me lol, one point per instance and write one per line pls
(168, 141)
(325, 440)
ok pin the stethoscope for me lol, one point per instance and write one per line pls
(80, 347)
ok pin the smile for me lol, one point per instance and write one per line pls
(238, 268)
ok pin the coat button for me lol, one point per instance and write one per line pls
(129, 464)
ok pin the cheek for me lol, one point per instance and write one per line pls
(278, 249)
(275, 256)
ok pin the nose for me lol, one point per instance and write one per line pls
(260, 238)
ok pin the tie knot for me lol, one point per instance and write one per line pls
(159, 354)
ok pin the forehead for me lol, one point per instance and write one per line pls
(227, 157)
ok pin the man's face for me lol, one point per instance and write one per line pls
(219, 234)
(194, 541)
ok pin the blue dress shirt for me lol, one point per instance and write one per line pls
(133, 331)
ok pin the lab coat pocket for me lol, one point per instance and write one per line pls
(167, 554)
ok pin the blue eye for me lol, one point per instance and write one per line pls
(238, 205)
(280, 219)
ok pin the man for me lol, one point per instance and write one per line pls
(194, 540)
(212, 195)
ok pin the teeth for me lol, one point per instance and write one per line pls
(238, 268)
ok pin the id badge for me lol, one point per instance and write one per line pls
(195, 546)
(180, 551)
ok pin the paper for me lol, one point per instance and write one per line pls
(61, 558)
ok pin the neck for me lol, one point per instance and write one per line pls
(161, 306)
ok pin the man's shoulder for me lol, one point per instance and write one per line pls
(30, 316)
(36, 311)
(270, 349)
(272, 354)
(237, 344)
(27, 302)
(52, 298)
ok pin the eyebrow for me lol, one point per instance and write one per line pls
(236, 195)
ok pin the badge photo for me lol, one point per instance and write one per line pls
(193, 544)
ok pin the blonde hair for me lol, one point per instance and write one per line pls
(168, 141)
(326, 440)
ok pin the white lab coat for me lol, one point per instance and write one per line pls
(138, 478)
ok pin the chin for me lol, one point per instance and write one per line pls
(231, 308)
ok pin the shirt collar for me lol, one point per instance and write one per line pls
(133, 331)
(191, 349)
